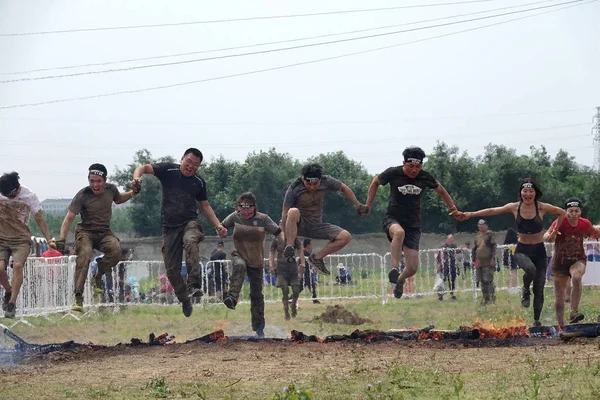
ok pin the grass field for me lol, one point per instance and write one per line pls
(235, 370)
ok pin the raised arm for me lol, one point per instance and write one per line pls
(488, 212)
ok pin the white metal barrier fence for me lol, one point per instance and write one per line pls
(48, 283)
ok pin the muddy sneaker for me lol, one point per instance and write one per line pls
(577, 317)
(195, 292)
(398, 289)
(187, 307)
(230, 301)
(6, 300)
(537, 324)
(11, 310)
(289, 253)
(315, 301)
(78, 306)
(393, 275)
(319, 264)
(526, 298)
(260, 333)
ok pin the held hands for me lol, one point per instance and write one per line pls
(362, 209)
(136, 185)
(221, 230)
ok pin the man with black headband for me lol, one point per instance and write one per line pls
(249, 231)
(94, 204)
(402, 221)
(303, 211)
(183, 194)
(569, 259)
(17, 203)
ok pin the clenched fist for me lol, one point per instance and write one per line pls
(361, 209)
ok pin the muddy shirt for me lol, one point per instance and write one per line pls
(485, 248)
(14, 216)
(95, 210)
(179, 194)
(569, 244)
(309, 204)
(404, 204)
(278, 245)
(249, 236)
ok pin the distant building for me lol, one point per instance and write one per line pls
(59, 206)
(56, 206)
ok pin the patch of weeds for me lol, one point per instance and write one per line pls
(458, 385)
(158, 387)
(536, 377)
(292, 393)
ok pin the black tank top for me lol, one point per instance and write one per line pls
(529, 226)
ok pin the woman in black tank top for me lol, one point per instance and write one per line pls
(530, 253)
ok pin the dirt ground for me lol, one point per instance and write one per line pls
(245, 365)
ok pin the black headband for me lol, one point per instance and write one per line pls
(527, 185)
(572, 203)
(97, 172)
(413, 160)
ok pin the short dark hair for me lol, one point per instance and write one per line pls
(220, 243)
(246, 197)
(307, 241)
(98, 169)
(9, 182)
(534, 185)
(195, 152)
(313, 170)
(413, 152)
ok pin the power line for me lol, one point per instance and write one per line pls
(218, 21)
(167, 64)
(280, 67)
(266, 43)
(389, 139)
(290, 123)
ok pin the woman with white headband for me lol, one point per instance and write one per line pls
(530, 252)
(569, 258)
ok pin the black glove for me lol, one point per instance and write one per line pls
(60, 245)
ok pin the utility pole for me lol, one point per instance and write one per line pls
(596, 136)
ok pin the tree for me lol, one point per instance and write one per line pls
(145, 212)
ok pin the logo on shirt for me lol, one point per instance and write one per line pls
(410, 189)
(255, 223)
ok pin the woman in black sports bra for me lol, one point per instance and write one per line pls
(530, 253)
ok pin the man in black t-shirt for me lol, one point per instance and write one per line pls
(183, 193)
(402, 220)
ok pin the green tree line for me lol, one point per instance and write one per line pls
(489, 180)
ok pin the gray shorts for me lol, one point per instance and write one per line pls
(318, 230)
(287, 274)
(18, 251)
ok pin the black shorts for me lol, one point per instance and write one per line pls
(412, 236)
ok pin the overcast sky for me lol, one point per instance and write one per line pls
(529, 82)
